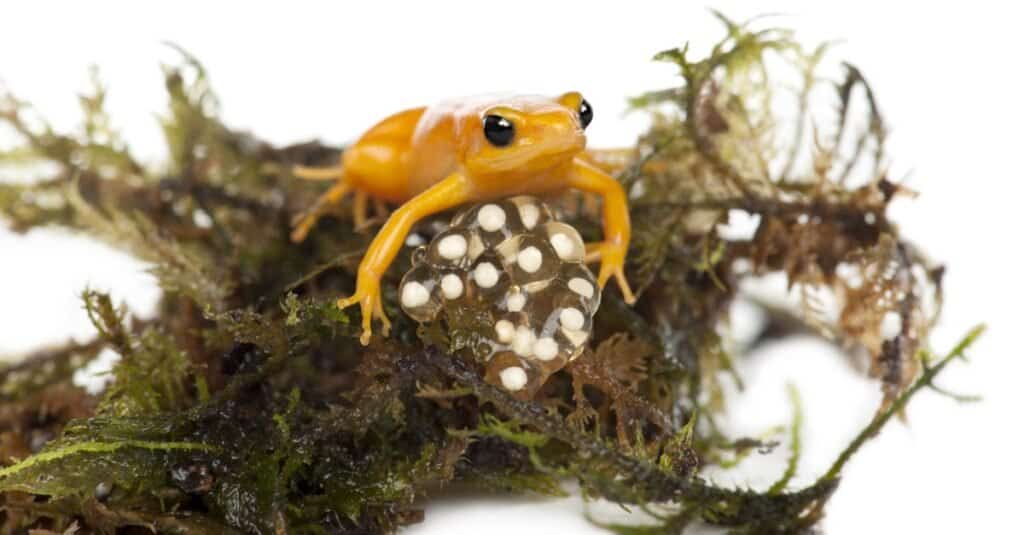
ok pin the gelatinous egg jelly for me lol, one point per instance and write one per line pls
(525, 271)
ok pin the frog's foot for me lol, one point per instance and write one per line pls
(361, 220)
(370, 305)
(305, 221)
(380, 209)
(613, 259)
(369, 224)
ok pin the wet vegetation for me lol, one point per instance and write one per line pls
(246, 403)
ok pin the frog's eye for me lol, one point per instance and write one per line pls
(498, 130)
(586, 113)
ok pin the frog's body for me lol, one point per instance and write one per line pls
(469, 150)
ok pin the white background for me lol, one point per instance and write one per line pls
(947, 77)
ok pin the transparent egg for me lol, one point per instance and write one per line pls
(453, 285)
(565, 241)
(488, 278)
(535, 261)
(571, 310)
(420, 293)
(451, 248)
(493, 222)
(581, 282)
(515, 300)
(530, 212)
(514, 374)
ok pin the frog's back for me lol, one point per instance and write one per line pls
(434, 146)
(378, 162)
(397, 126)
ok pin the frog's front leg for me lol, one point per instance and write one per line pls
(452, 191)
(612, 251)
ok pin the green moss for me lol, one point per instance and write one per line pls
(57, 471)
(246, 404)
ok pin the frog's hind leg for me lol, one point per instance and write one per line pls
(380, 209)
(360, 210)
(305, 221)
(318, 173)
(360, 201)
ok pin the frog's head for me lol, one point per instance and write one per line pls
(526, 133)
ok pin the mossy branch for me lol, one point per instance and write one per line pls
(645, 480)
(99, 448)
(897, 406)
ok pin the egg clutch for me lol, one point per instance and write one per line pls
(524, 270)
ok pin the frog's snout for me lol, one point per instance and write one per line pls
(577, 140)
(567, 134)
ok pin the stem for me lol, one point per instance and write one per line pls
(767, 207)
(794, 439)
(705, 146)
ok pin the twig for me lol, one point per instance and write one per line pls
(757, 205)
(794, 442)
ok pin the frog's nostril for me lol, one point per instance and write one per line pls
(569, 131)
(579, 141)
(561, 128)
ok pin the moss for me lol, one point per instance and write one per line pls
(247, 404)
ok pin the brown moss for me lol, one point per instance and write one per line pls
(248, 405)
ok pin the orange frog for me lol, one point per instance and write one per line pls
(469, 150)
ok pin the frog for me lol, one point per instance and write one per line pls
(431, 159)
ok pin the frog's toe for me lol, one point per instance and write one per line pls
(592, 252)
(370, 307)
(367, 313)
(301, 230)
(615, 269)
(365, 337)
(627, 292)
(378, 310)
(346, 302)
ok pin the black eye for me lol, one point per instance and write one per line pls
(498, 130)
(586, 113)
